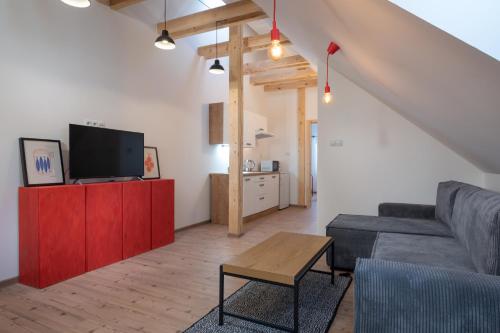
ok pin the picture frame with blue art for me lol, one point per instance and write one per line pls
(42, 163)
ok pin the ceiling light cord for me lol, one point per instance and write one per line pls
(204, 4)
(216, 40)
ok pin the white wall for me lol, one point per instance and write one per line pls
(62, 65)
(384, 157)
(492, 181)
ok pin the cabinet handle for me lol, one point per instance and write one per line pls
(261, 185)
(274, 177)
(262, 178)
(247, 179)
(261, 198)
(248, 144)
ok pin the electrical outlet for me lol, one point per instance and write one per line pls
(101, 123)
(87, 122)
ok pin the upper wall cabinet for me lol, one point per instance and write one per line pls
(218, 120)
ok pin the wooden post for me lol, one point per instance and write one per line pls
(236, 131)
(301, 113)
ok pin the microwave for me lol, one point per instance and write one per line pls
(269, 166)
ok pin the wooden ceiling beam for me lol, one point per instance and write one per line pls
(267, 65)
(291, 84)
(282, 75)
(250, 44)
(119, 4)
(229, 15)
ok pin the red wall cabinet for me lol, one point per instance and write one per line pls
(104, 227)
(162, 211)
(136, 218)
(67, 230)
(51, 234)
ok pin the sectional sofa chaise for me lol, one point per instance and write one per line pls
(421, 268)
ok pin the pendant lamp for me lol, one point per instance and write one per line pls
(275, 50)
(327, 96)
(216, 68)
(164, 41)
(77, 3)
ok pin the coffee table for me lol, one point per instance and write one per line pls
(283, 260)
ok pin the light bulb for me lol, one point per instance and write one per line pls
(77, 3)
(275, 50)
(327, 98)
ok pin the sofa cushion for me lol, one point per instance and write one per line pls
(355, 235)
(420, 249)
(391, 224)
(476, 224)
(445, 199)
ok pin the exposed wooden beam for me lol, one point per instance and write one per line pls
(250, 44)
(301, 114)
(235, 215)
(229, 15)
(293, 84)
(282, 75)
(119, 4)
(267, 65)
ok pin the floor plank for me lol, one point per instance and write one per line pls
(165, 290)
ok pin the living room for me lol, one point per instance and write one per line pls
(413, 105)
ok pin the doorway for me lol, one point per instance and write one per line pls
(311, 163)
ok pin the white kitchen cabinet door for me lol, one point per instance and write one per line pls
(274, 192)
(249, 125)
(249, 197)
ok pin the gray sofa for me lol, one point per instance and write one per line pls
(426, 268)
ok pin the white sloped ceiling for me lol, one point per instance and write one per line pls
(446, 87)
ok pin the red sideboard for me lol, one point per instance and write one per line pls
(68, 230)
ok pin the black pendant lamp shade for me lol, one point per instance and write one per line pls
(216, 68)
(164, 41)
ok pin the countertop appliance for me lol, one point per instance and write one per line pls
(269, 166)
(248, 165)
(284, 190)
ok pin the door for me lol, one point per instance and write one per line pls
(104, 224)
(62, 233)
(136, 218)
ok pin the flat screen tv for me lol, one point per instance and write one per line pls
(105, 153)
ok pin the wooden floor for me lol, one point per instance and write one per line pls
(165, 290)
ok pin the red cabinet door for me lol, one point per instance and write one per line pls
(104, 225)
(162, 208)
(136, 218)
(61, 218)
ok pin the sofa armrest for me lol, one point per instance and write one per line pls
(399, 297)
(427, 212)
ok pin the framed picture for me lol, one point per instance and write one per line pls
(151, 164)
(41, 162)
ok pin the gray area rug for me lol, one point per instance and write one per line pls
(318, 300)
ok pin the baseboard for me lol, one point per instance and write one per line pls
(260, 214)
(298, 206)
(193, 225)
(8, 282)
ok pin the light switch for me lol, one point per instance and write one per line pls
(336, 143)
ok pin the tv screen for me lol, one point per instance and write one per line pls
(100, 153)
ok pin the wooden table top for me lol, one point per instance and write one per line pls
(279, 258)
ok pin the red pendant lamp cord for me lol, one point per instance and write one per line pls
(274, 13)
(327, 68)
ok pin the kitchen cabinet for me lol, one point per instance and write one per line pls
(253, 122)
(260, 195)
(218, 125)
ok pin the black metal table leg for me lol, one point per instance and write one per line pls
(332, 264)
(221, 296)
(296, 307)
